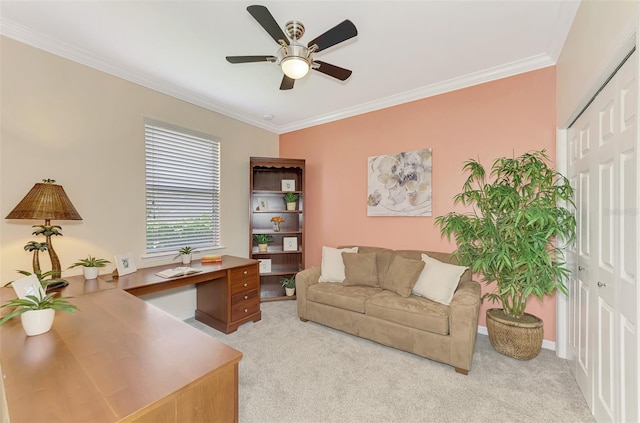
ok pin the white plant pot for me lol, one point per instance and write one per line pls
(186, 258)
(289, 291)
(291, 206)
(35, 322)
(90, 272)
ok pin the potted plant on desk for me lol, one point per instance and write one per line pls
(37, 311)
(90, 266)
(185, 253)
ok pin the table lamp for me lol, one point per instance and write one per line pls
(47, 201)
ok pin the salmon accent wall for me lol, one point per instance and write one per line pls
(506, 117)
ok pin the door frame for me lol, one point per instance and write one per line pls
(630, 39)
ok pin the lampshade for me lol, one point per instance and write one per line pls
(295, 67)
(46, 200)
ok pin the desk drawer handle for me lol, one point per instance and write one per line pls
(246, 297)
(245, 272)
(246, 310)
(245, 284)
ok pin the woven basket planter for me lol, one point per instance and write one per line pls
(517, 338)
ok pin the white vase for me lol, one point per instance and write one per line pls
(90, 272)
(291, 206)
(289, 291)
(35, 322)
(186, 258)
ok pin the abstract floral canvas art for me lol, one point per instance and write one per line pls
(400, 184)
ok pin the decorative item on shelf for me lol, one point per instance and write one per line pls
(512, 235)
(288, 184)
(185, 253)
(262, 204)
(289, 285)
(47, 201)
(265, 266)
(263, 240)
(277, 220)
(290, 243)
(35, 308)
(290, 199)
(90, 266)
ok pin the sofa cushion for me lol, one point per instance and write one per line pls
(332, 267)
(416, 312)
(360, 269)
(345, 297)
(383, 258)
(438, 281)
(402, 275)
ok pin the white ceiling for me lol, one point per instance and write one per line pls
(405, 50)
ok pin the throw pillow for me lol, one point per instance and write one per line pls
(402, 275)
(332, 267)
(438, 281)
(360, 269)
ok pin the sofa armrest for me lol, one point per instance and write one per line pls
(463, 323)
(304, 279)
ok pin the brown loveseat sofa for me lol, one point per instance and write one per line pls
(444, 333)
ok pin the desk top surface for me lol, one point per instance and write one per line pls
(115, 356)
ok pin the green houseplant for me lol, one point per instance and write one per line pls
(37, 312)
(90, 266)
(262, 240)
(185, 253)
(512, 235)
(290, 199)
(289, 285)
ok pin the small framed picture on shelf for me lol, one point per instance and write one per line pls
(288, 184)
(265, 265)
(289, 243)
(263, 204)
(125, 264)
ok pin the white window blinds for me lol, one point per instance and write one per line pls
(182, 188)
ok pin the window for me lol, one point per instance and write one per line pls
(182, 188)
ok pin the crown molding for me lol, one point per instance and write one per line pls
(20, 33)
(487, 75)
(38, 40)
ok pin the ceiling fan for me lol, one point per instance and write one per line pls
(293, 57)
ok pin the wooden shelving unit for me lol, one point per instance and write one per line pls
(266, 195)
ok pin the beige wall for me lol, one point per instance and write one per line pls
(84, 128)
(600, 36)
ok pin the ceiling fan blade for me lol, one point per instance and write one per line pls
(266, 20)
(287, 83)
(339, 33)
(332, 70)
(250, 59)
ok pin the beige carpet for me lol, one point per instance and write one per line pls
(305, 372)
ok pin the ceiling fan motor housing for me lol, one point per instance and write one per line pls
(294, 58)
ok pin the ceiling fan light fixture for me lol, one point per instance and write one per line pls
(295, 67)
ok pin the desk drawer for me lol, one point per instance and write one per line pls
(243, 285)
(245, 308)
(244, 296)
(244, 272)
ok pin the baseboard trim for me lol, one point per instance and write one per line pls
(547, 345)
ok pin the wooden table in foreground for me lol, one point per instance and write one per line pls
(122, 360)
